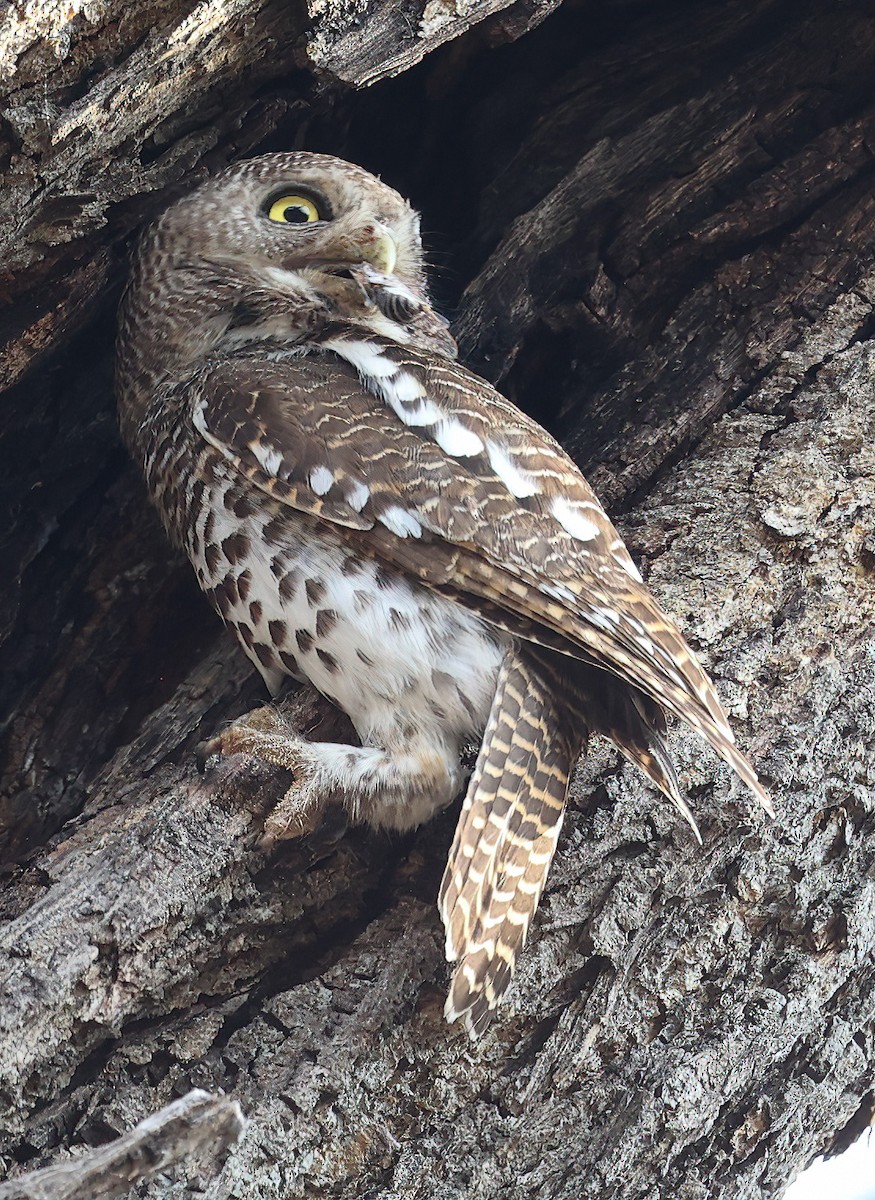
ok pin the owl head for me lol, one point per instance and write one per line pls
(310, 215)
(274, 249)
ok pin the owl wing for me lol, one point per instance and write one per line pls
(434, 472)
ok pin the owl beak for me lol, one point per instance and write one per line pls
(379, 247)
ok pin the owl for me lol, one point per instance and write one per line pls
(368, 515)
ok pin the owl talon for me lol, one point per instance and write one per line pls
(298, 814)
(204, 751)
(218, 746)
(260, 733)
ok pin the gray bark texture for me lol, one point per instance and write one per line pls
(195, 1127)
(654, 225)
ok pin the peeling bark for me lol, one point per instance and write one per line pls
(662, 241)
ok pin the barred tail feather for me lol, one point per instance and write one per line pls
(640, 735)
(505, 839)
(601, 703)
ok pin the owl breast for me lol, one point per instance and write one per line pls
(401, 661)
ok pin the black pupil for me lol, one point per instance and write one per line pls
(296, 214)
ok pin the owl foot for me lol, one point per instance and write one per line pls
(263, 734)
(298, 814)
(389, 789)
(242, 737)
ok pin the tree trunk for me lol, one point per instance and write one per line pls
(655, 225)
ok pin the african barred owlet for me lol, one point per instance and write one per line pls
(368, 515)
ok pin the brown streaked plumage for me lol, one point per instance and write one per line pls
(503, 847)
(368, 515)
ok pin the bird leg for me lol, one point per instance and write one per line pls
(391, 789)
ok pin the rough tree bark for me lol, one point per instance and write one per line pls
(657, 224)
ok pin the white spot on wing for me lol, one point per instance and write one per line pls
(401, 521)
(403, 388)
(365, 357)
(398, 388)
(516, 481)
(267, 457)
(573, 521)
(400, 394)
(455, 438)
(425, 413)
(357, 496)
(321, 480)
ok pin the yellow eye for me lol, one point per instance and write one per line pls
(293, 210)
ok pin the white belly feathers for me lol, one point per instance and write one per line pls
(397, 658)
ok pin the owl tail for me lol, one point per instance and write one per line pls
(599, 702)
(505, 839)
(636, 726)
